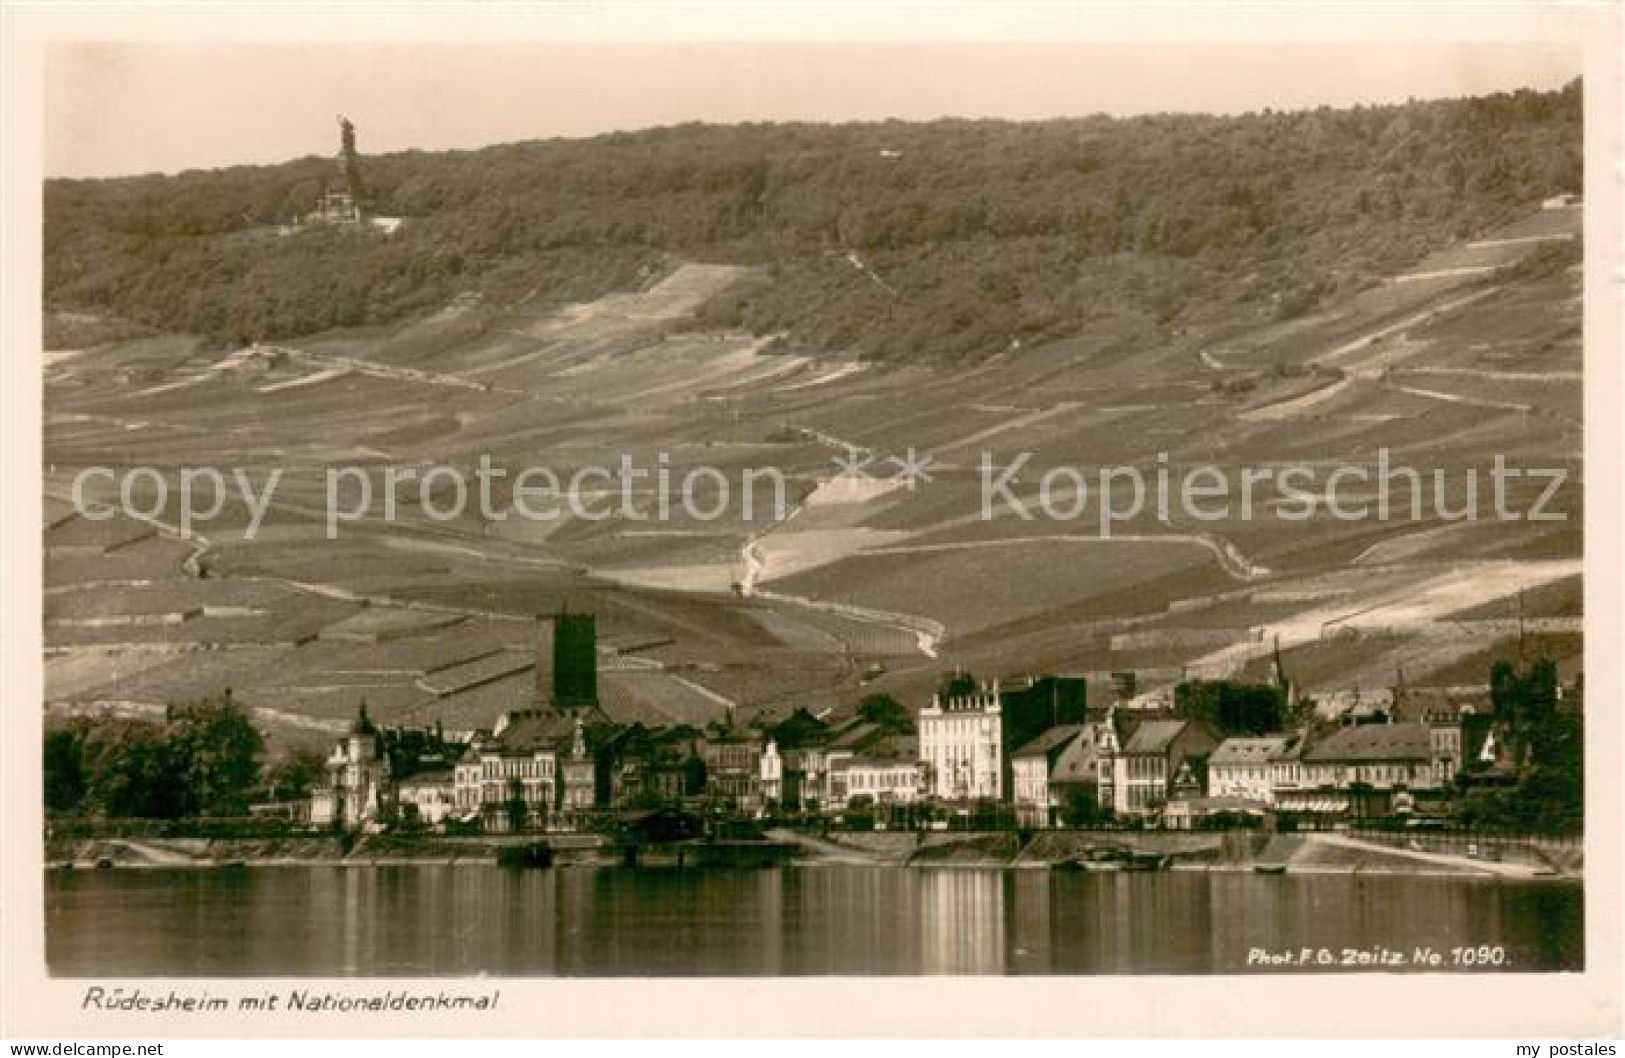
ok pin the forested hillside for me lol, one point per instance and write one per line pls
(952, 240)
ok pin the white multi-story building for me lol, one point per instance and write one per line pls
(961, 745)
(883, 780)
(357, 780)
(428, 797)
(1245, 767)
(516, 761)
(1361, 768)
(1287, 773)
(1380, 756)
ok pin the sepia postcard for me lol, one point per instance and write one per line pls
(663, 520)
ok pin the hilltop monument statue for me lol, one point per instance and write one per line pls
(343, 204)
(348, 161)
(347, 203)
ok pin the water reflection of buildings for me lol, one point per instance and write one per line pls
(429, 920)
(1032, 922)
(859, 921)
(1112, 922)
(962, 922)
(660, 922)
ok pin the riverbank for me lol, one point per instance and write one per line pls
(1238, 851)
(1242, 852)
(569, 850)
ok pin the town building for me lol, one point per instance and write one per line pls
(801, 738)
(883, 780)
(1158, 760)
(733, 769)
(1074, 779)
(967, 731)
(1359, 768)
(509, 772)
(1444, 711)
(356, 789)
(1287, 775)
(961, 745)
(655, 767)
(428, 798)
(1245, 768)
(1038, 705)
(869, 760)
(856, 738)
(1444, 739)
(1033, 766)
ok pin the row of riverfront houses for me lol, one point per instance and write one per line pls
(1035, 746)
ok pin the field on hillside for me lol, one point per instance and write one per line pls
(844, 578)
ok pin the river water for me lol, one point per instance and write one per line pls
(424, 920)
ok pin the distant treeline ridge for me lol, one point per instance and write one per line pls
(985, 236)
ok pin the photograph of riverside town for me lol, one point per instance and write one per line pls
(742, 545)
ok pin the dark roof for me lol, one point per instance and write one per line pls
(1248, 750)
(438, 775)
(732, 737)
(1077, 762)
(1373, 742)
(858, 736)
(1131, 719)
(1053, 739)
(530, 730)
(1153, 736)
(1439, 705)
(597, 734)
(798, 729)
(1292, 747)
